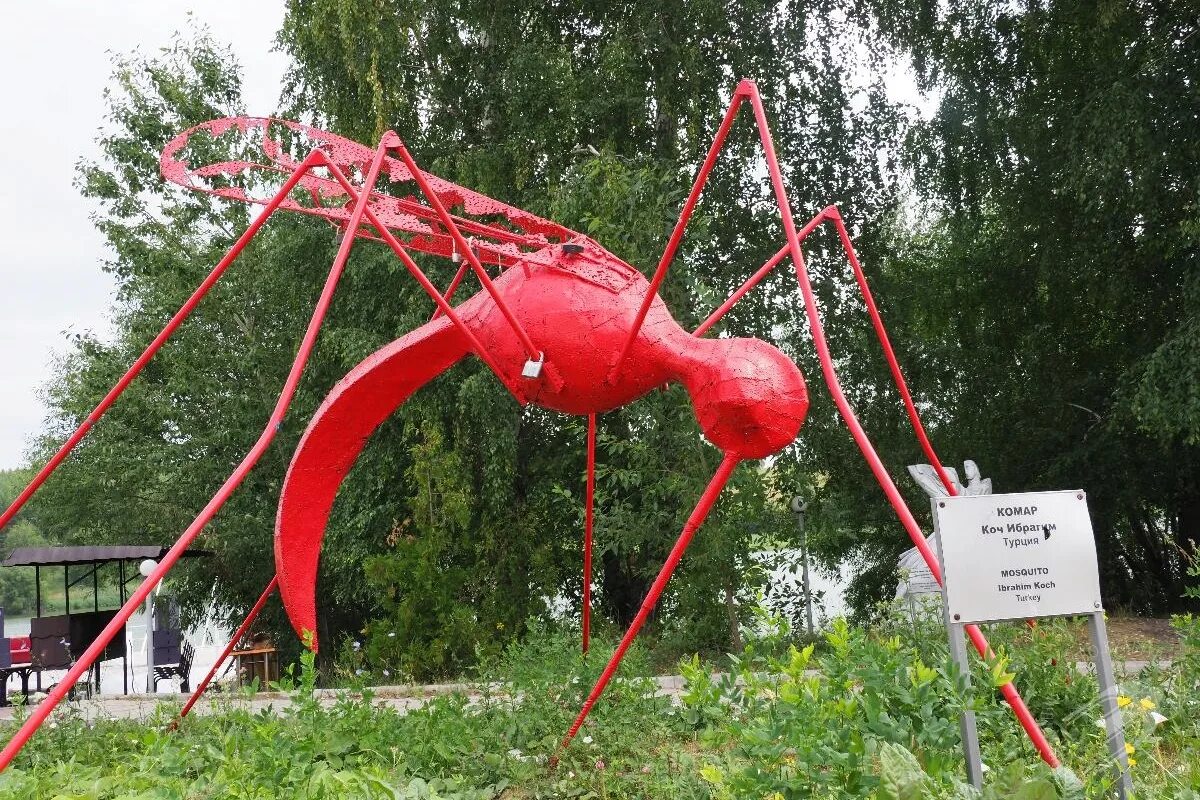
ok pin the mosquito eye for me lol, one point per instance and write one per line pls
(749, 398)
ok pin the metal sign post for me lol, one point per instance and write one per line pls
(1012, 557)
(800, 508)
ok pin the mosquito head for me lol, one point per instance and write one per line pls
(749, 397)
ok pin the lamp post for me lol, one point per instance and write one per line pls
(146, 568)
(799, 507)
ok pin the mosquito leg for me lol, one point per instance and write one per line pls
(1034, 732)
(184, 311)
(233, 640)
(39, 714)
(656, 589)
(588, 513)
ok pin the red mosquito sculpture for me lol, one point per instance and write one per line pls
(565, 325)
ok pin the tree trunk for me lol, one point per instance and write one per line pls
(735, 627)
(623, 590)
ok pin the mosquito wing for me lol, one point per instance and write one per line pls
(248, 158)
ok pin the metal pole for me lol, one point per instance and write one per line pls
(958, 652)
(37, 581)
(124, 630)
(588, 517)
(233, 640)
(1113, 723)
(970, 733)
(800, 507)
(150, 641)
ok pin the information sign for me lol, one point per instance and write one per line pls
(1017, 556)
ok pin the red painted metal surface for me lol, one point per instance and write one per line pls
(269, 149)
(566, 325)
(588, 517)
(749, 398)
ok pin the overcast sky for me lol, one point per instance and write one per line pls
(55, 59)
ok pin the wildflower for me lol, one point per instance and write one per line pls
(587, 740)
(1123, 701)
(645, 769)
(1147, 704)
(599, 764)
(358, 645)
(392, 635)
(358, 672)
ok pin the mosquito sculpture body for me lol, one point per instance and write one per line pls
(566, 325)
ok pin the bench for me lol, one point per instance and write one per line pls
(15, 657)
(181, 670)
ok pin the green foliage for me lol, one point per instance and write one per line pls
(17, 593)
(1045, 300)
(876, 715)
(451, 748)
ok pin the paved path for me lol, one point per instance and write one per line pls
(400, 698)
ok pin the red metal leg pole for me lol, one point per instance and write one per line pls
(237, 637)
(55, 696)
(443, 305)
(587, 531)
(754, 279)
(463, 245)
(685, 216)
(884, 342)
(860, 437)
(180, 315)
(656, 589)
(451, 289)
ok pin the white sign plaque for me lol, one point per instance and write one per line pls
(1017, 556)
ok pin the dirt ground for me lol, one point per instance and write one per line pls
(1134, 639)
